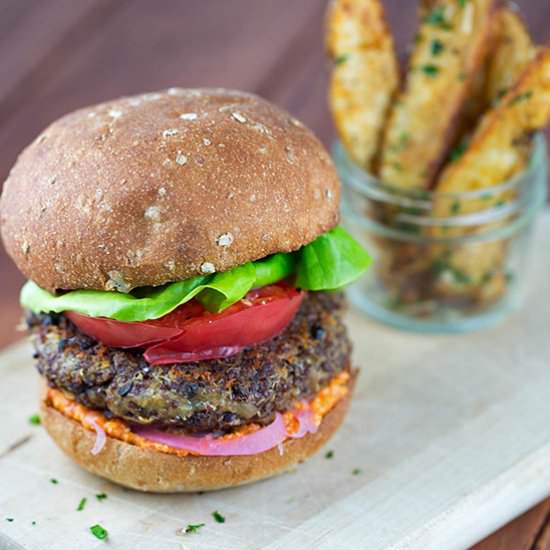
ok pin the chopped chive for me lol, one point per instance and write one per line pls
(194, 527)
(82, 504)
(455, 207)
(356, 471)
(487, 196)
(33, 523)
(430, 70)
(509, 277)
(401, 142)
(462, 76)
(329, 455)
(487, 277)
(501, 202)
(462, 3)
(35, 420)
(436, 17)
(417, 38)
(54, 481)
(340, 59)
(521, 97)
(457, 151)
(218, 517)
(101, 496)
(99, 532)
(10, 519)
(436, 47)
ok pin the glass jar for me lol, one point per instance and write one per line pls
(443, 262)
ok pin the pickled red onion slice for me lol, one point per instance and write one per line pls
(253, 443)
(306, 420)
(101, 438)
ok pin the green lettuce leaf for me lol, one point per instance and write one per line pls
(330, 262)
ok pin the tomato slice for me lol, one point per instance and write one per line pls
(191, 333)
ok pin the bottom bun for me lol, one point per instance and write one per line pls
(149, 470)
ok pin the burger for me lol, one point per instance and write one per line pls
(184, 264)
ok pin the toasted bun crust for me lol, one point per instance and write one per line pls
(153, 471)
(161, 187)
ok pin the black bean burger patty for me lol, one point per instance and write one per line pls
(204, 396)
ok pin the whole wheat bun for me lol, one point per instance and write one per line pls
(164, 186)
(154, 471)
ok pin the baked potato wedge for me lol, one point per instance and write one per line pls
(364, 75)
(449, 49)
(513, 49)
(499, 149)
(500, 143)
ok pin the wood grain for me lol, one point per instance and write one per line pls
(59, 55)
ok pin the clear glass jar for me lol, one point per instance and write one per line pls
(443, 262)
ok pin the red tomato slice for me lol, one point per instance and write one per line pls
(191, 333)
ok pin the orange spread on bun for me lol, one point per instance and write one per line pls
(320, 405)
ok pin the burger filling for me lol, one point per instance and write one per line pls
(237, 356)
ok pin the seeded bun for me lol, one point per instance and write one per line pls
(154, 471)
(164, 186)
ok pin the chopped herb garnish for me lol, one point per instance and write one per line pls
(417, 38)
(82, 504)
(401, 142)
(33, 523)
(457, 151)
(194, 527)
(430, 70)
(487, 196)
(436, 47)
(101, 496)
(486, 278)
(462, 3)
(441, 265)
(356, 471)
(509, 277)
(99, 532)
(462, 76)
(455, 207)
(35, 420)
(501, 202)
(521, 97)
(218, 517)
(436, 17)
(329, 455)
(10, 519)
(54, 481)
(397, 166)
(339, 59)
(501, 93)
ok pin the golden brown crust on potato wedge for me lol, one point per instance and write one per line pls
(497, 149)
(450, 47)
(364, 74)
(513, 49)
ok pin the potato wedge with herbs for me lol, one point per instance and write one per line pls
(364, 76)
(513, 49)
(449, 49)
(498, 148)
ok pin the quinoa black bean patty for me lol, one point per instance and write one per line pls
(203, 396)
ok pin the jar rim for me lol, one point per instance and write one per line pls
(365, 182)
(498, 221)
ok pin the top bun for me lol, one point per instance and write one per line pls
(165, 186)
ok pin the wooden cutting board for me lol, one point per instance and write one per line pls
(450, 434)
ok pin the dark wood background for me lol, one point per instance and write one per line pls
(57, 55)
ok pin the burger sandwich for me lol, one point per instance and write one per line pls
(184, 262)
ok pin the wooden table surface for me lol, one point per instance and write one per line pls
(58, 55)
